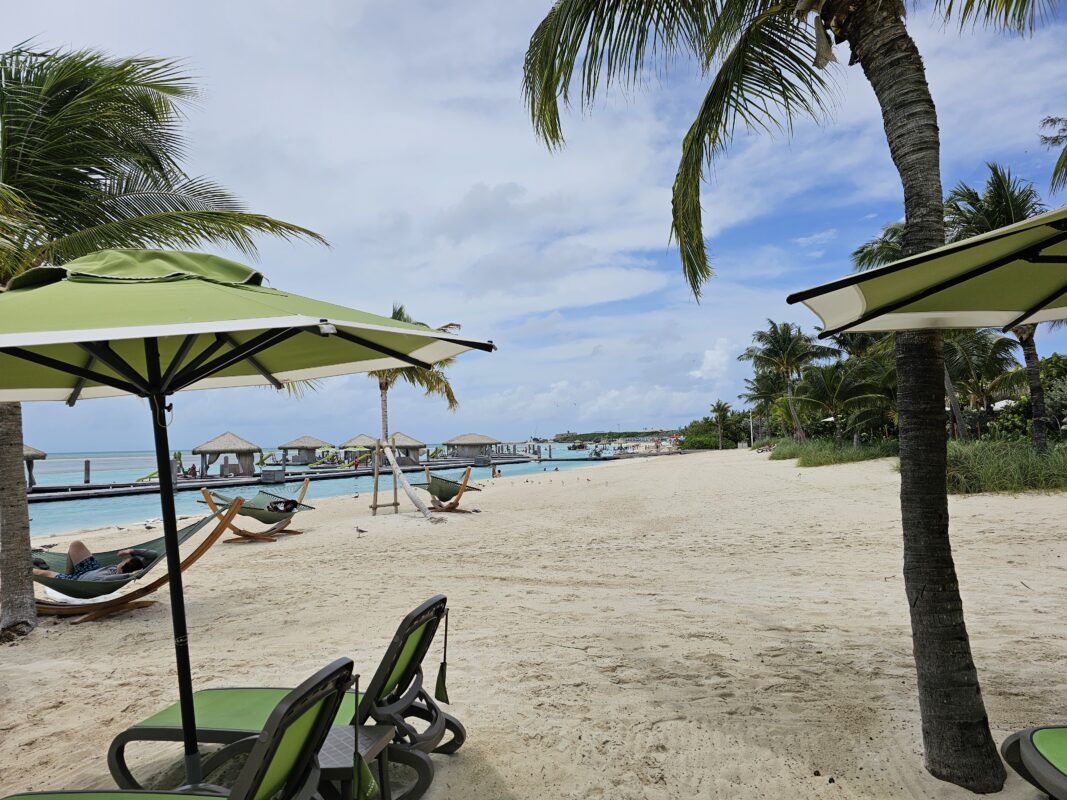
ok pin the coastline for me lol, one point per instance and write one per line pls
(709, 626)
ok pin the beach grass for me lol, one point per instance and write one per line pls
(822, 452)
(976, 467)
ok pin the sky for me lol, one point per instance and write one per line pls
(398, 131)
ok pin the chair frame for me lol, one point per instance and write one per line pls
(90, 612)
(243, 536)
(452, 506)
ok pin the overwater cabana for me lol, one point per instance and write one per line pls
(408, 448)
(357, 445)
(228, 444)
(306, 448)
(29, 455)
(470, 445)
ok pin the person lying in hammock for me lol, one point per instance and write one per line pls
(83, 566)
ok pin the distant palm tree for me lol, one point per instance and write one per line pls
(1058, 138)
(720, 410)
(983, 364)
(432, 381)
(837, 390)
(90, 158)
(885, 248)
(765, 390)
(1004, 200)
(785, 349)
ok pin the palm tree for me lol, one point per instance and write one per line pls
(837, 389)
(765, 391)
(90, 152)
(433, 381)
(1004, 200)
(884, 249)
(983, 364)
(765, 71)
(720, 410)
(1058, 138)
(785, 349)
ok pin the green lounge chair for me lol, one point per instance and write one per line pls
(259, 509)
(394, 696)
(281, 757)
(90, 590)
(1040, 756)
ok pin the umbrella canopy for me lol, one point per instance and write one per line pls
(1008, 277)
(153, 322)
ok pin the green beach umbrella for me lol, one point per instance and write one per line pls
(1008, 277)
(151, 323)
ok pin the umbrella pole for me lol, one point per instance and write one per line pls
(177, 598)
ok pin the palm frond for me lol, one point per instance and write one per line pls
(602, 41)
(1057, 139)
(764, 78)
(883, 249)
(1020, 16)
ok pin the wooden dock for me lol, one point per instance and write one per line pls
(91, 491)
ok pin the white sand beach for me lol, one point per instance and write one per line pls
(705, 625)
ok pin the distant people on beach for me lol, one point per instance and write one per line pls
(83, 566)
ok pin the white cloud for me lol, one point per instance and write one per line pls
(715, 360)
(818, 238)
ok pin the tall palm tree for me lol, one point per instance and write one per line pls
(837, 389)
(720, 411)
(765, 71)
(1058, 138)
(885, 248)
(765, 391)
(1004, 200)
(433, 381)
(90, 158)
(785, 349)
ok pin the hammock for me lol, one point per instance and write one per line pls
(87, 590)
(258, 507)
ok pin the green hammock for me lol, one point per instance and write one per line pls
(444, 489)
(88, 590)
(258, 507)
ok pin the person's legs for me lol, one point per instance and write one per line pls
(76, 553)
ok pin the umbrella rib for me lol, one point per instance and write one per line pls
(930, 291)
(176, 362)
(254, 345)
(381, 348)
(1035, 308)
(104, 353)
(911, 261)
(203, 356)
(266, 373)
(70, 369)
(79, 384)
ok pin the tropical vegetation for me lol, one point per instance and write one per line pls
(91, 153)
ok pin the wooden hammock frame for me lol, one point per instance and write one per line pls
(271, 534)
(89, 612)
(452, 506)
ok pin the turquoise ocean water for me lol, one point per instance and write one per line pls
(71, 515)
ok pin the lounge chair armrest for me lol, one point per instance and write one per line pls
(204, 788)
(217, 759)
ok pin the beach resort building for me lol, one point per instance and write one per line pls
(357, 446)
(408, 449)
(306, 448)
(470, 445)
(227, 444)
(29, 455)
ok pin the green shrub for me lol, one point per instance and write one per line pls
(707, 441)
(1004, 467)
(761, 443)
(820, 452)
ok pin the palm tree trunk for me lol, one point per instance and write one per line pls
(18, 614)
(956, 739)
(954, 404)
(383, 389)
(720, 437)
(1025, 335)
(798, 429)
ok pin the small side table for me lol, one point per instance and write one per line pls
(336, 761)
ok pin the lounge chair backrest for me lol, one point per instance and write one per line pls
(283, 758)
(399, 675)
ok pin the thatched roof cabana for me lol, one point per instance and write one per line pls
(408, 448)
(225, 444)
(471, 444)
(363, 440)
(306, 447)
(29, 455)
